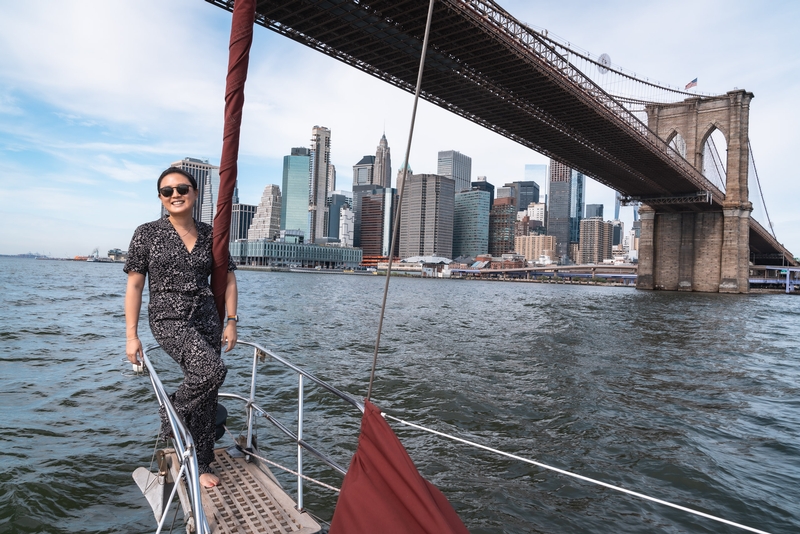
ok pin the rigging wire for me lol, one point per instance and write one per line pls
(573, 475)
(396, 222)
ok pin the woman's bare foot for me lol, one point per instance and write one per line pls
(209, 480)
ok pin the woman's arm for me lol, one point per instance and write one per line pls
(231, 301)
(133, 306)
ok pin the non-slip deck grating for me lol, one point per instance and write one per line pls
(247, 501)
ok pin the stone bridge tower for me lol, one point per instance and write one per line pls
(701, 251)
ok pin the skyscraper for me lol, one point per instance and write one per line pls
(359, 192)
(536, 173)
(377, 217)
(364, 171)
(593, 210)
(527, 193)
(204, 174)
(267, 220)
(502, 219)
(457, 166)
(383, 164)
(482, 185)
(426, 218)
(335, 202)
(471, 223)
(618, 231)
(565, 210)
(207, 207)
(595, 243)
(323, 180)
(295, 188)
(404, 167)
(524, 193)
(241, 218)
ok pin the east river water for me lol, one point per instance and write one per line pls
(690, 398)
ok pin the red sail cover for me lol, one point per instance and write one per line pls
(244, 13)
(384, 493)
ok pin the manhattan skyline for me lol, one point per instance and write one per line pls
(92, 111)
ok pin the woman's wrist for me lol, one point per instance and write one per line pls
(133, 338)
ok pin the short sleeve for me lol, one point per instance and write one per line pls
(138, 253)
(231, 264)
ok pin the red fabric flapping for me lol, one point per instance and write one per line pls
(383, 493)
(244, 13)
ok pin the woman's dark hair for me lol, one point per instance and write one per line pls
(176, 170)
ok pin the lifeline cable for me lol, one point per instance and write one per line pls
(279, 466)
(573, 475)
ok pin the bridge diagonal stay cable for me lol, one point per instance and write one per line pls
(719, 166)
(752, 160)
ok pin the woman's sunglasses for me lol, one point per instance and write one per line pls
(167, 190)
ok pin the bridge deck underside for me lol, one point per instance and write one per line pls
(481, 73)
(477, 69)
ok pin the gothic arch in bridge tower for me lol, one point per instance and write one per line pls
(688, 250)
(677, 142)
(713, 155)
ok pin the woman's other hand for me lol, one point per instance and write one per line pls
(229, 335)
(133, 349)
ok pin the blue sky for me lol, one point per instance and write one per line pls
(97, 97)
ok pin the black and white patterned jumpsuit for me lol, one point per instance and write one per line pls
(184, 321)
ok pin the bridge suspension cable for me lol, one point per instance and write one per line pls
(627, 87)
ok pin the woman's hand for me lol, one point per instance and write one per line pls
(229, 335)
(133, 349)
(133, 306)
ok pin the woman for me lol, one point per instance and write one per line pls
(175, 252)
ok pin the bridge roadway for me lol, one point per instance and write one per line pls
(485, 66)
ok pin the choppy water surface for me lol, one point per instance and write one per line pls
(689, 398)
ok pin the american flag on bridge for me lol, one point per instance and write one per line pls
(691, 84)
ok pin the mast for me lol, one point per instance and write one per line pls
(244, 12)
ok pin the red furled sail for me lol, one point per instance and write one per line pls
(244, 13)
(384, 493)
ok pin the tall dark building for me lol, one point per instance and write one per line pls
(565, 210)
(241, 218)
(618, 231)
(502, 220)
(377, 217)
(359, 191)
(483, 185)
(593, 210)
(524, 193)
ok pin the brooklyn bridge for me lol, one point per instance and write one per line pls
(646, 140)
